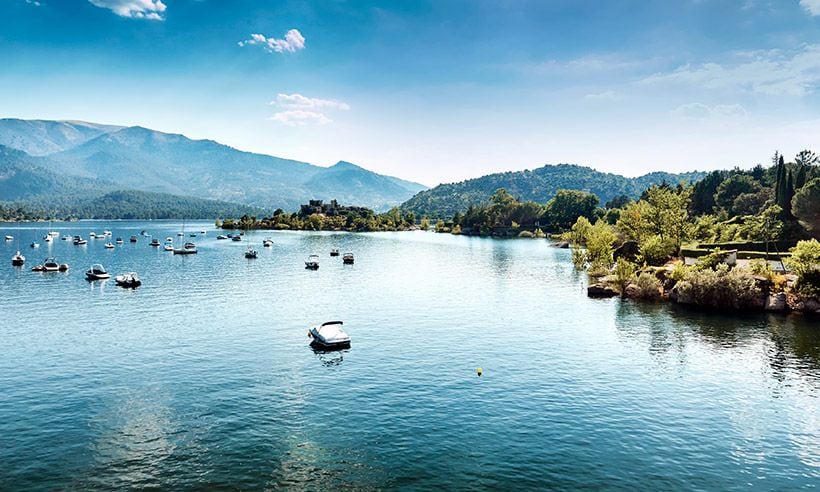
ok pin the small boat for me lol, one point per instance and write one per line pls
(51, 265)
(347, 259)
(334, 252)
(202, 232)
(267, 242)
(37, 268)
(222, 236)
(154, 242)
(180, 234)
(109, 246)
(47, 238)
(133, 239)
(9, 238)
(54, 234)
(229, 236)
(312, 263)
(251, 254)
(236, 238)
(100, 236)
(34, 244)
(329, 335)
(187, 249)
(143, 233)
(92, 235)
(18, 259)
(193, 234)
(119, 240)
(106, 233)
(169, 239)
(79, 241)
(168, 247)
(128, 280)
(97, 272)
(67, 238)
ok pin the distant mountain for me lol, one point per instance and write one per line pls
(537, 185)
(42, 137)
(142, 159)
(22, 179)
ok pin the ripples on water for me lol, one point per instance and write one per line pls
(203, 377)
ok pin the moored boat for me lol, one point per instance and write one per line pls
(347, 259)
(236, 238)
(251, 254)
(267, 242)
(119, 240)
(334, 252)
(154, 242)
(133, 239)
(222, 236)
(79, 241)
(51, 265)
(34, 244)
(18, 259)
(97, 272)
(128, 280)
(9, 238)
(186, 249)
(312, 262)
(109, 246)
(329, 335)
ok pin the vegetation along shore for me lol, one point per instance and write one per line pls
(734, 240)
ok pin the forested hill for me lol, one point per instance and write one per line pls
(538, 185)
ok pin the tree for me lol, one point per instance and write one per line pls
(806, 205)
(732, 187)
(567, 205)
(600, 238)
(619, 201)
(703, 193)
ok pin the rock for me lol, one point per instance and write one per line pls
(632, 291)
(776, 302)
(562, 244)
(600, 291)
(628, 250)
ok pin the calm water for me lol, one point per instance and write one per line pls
(203, 376)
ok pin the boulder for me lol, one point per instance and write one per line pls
(632, 291)
(562, 244)
(601, 291)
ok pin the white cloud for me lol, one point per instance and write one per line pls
(298, 101)
(299, 110)
(137, 9)
(298, 117)
(699, 111)
(763, 72)
(293, 42)
(811, 6)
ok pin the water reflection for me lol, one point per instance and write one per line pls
(789, 342)
(329, 357)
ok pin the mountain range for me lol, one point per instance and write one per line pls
(59, 157)
(537, 185)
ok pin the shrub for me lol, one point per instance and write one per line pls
(526, 234)
(599, 243)
(539, 233)
(655, 251)
(679, 271)
(711, 261)
(598, 269)
(624, 273)
(580, 230)
(805, 262)
(649, 286)
(720, 288)
(456, 229)
(579, 258)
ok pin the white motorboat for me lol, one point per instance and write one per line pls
(267, 242)
(347, 259)
(92, 234)
(97, 272)
(109, 246)
(251, 254)
(133, 239)
(51, 265)
(128, 280)
(312, 263)
(334, 252)
(9, 238)
(79, 241)
(34, 244)
(154, 242)
(119, 240)
(54, 234)
(221, 237)
(67, 238)
(187, 249)
(47, 238)
(329, 335)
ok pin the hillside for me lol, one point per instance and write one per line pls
(42, 137)
(537, 185)
(142, 159)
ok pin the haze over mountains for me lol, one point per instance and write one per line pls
(83, 156)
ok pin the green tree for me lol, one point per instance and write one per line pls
(732, 187)
(567, 205)
(806, 205)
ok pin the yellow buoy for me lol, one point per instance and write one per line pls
(479, 371)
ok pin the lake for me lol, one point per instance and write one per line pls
(203, 377)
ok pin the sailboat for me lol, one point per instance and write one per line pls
(250, 253)
(34, 243)
(18, 259)
(188, 248)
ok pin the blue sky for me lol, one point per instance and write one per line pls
(432, 91)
